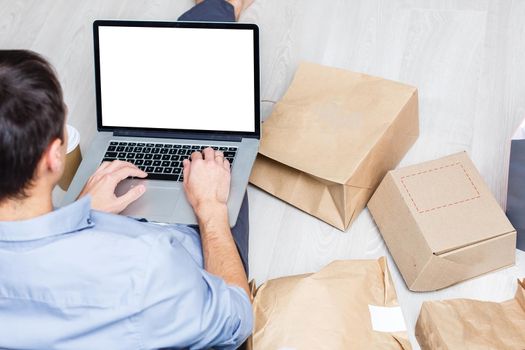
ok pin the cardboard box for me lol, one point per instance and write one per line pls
(441, 223)
(516, 185)
(472, 324)
(350, 304)
(332, 138)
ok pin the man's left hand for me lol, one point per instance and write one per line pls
(102, 184)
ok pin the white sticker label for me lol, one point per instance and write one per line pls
(387, 319)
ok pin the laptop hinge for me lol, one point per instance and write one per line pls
(179, 135)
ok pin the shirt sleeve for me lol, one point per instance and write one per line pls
(184, 306)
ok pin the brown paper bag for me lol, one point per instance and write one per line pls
(332, 138)
(472, 324)
(330, 309)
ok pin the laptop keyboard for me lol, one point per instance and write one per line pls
(162, 161)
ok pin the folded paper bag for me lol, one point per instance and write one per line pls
(349, 304)
(472, 324)
(332, 138)
(441, 223)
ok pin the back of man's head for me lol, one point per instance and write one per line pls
(32, 114)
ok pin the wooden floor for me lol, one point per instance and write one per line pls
(465, 56)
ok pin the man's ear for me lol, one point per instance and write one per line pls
(55, 156)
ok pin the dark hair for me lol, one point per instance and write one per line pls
(32, 114)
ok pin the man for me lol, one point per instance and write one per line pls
(79, 277)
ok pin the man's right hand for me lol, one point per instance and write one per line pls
(207, 182)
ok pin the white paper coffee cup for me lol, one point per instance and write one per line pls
(73, 157)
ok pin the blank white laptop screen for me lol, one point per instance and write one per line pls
(177, 78)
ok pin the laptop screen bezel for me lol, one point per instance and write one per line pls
(140, 131)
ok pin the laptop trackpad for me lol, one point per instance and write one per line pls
(157, 204)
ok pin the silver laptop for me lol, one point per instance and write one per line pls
(165, 90)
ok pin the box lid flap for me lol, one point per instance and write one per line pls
(450, 203)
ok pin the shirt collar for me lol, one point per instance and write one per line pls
(68, 219)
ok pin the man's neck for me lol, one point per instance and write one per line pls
(35, 204)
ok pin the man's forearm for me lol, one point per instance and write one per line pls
(221, 256)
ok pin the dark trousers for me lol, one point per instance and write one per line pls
(210, 11)
(221, 11)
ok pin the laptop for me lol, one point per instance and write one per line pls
(165, 90)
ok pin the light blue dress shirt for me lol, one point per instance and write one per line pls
(80, 279)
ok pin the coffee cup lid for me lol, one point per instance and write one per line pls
(73, 138)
